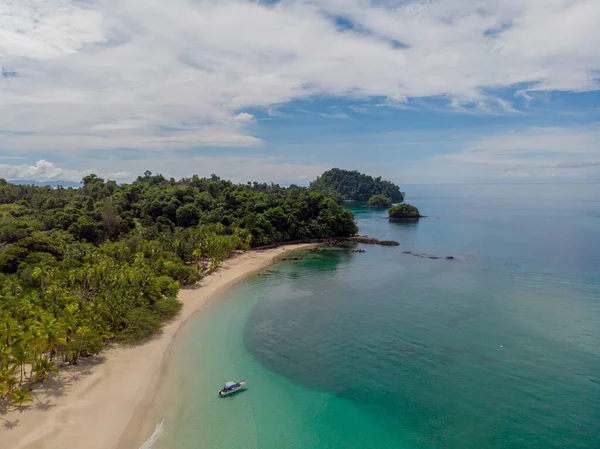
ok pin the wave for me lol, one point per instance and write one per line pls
(158, 431)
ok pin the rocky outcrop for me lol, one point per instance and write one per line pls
(428, 256)
(334, 241)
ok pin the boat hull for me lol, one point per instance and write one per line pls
(240, 386)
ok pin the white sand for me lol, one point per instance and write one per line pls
(103, 402)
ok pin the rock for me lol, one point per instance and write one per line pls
(372, 241)
(406, 252)
(433, 257)
(450, 258)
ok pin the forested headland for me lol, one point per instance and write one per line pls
(345, 185)
(104, 262)
(379, 201)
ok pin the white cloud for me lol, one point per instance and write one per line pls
(47, 29)
(244, 117)
(535, 153)
(47, 171)
(42, 171)
(176, 74)
(236, 168)
(540, 144)
(334, 115)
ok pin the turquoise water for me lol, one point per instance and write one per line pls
(499, 348)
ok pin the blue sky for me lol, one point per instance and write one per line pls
(418, 91)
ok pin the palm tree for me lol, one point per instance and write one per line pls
(5, 352)
(41, 273)
(4, 389)
(7, 381)
(20, 357)
(81, 331)
(10, 383)
(12, 286)
(53, 332)
(20, 396)
(10, 331)
(34, 339)
(44, 368)
(56, 291)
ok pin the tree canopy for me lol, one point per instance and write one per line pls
(404, 211)
(79, 267)
(379, 201)
(352, 185)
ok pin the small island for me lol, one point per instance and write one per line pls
(404, 212)
(379, 201)
(346, 185)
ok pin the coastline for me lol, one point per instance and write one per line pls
(103, 402)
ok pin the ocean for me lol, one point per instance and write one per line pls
(496, 348)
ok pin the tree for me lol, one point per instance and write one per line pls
(84, 229)
(187, 216)
(20, 357)
(89, 179)
(355, 186)
(404, 212)
(20, 396)
(43, 369)
(82, 331)
(79, 267)
(10, 331)
(42, 273)
(111, 221)
(380, 201)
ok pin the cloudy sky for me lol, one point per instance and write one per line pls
(418, 91)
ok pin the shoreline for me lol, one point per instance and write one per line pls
(103, 402)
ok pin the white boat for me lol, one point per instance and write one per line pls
(232, 387)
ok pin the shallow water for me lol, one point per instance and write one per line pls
(497, 348)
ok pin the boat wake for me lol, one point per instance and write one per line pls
(158, 431)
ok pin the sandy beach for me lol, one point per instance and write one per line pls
(102, 402)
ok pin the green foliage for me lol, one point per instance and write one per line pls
(404, 211)
(379, 201)
(84, 344)
(85, 229)
(140, 324)
(20, 396)
(187, 216)
(167, 308)
(352, 185)
(43, 369)
(80, 267)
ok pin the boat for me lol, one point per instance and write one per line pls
(232, 387)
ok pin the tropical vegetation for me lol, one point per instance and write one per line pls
(403, 212)
(379, 201)
(354, 186)
(104, 262)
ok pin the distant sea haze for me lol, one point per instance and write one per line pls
(32, 182)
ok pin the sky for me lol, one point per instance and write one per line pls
(434, 91)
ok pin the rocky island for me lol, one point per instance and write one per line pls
(404, 212)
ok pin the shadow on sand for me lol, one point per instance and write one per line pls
(46, 393)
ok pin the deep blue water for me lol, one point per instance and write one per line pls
(499, 347)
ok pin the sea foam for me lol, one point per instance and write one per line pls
(158, 431)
